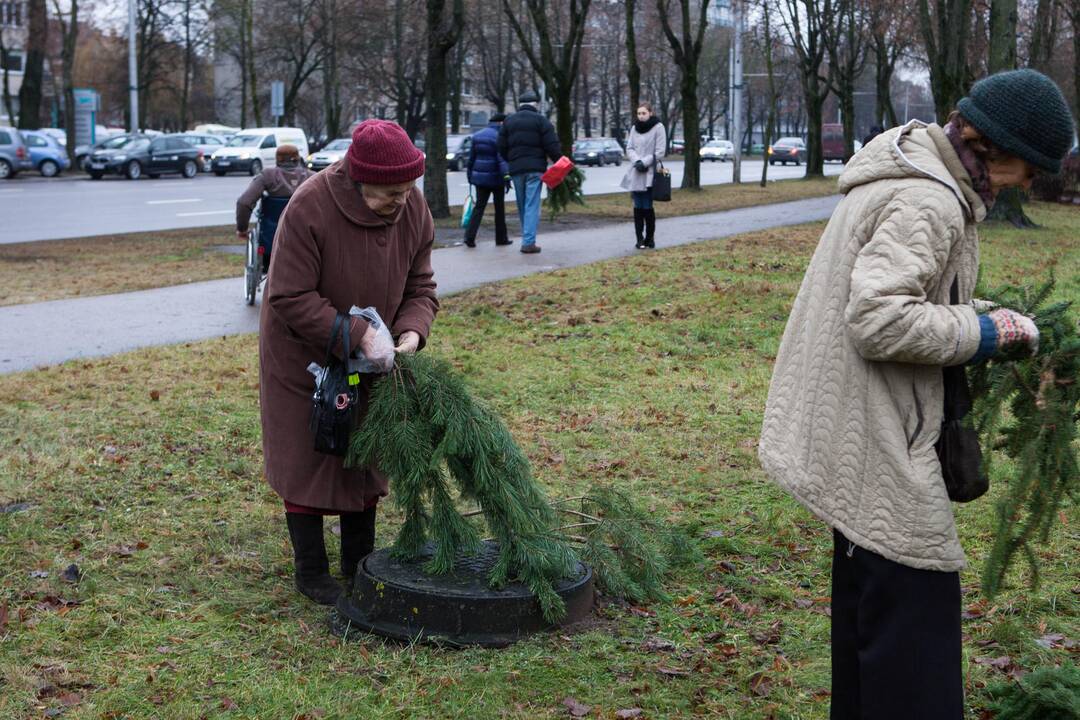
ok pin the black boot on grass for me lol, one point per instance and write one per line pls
(357, 542)
(313, 577)
(650, 228)
(639, 228)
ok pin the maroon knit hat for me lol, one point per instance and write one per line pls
(382, 154)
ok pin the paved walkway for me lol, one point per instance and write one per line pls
(46, 333)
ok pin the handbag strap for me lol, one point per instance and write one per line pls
(334, 331)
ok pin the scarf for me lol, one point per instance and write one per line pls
(646, 126)
(976, 168)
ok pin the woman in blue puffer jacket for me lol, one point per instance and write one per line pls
(488, 171)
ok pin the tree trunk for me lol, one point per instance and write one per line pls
(1044, 35)
(946, 37)
(770, 122)
(815, 102)
(9, 106)
(1002, 36)
(441, 39)
(30, 93)
(70, 35)
(687, 52)
(1074, 18)
(253, 85)
(633, 69)
(189, 52)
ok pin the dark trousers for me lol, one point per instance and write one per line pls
(482, 195)
(896, 648)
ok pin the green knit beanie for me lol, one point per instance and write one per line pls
(1024, 113)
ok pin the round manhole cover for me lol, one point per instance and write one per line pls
(399, 600)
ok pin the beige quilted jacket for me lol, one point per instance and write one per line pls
(855, 403)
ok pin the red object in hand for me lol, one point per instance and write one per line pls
(557, 172)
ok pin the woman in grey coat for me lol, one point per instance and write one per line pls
(645, 147)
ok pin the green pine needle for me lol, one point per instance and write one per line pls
(1027, 408)
(424, 430)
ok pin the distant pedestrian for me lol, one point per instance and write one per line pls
(875, 130)
(276, 182)
(489, 173)
(527, 140)
(645, 146)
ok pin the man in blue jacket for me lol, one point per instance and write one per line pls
(527, 140)
(489, 173)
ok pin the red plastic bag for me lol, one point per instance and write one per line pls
(557, 172)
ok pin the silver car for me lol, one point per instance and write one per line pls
(14, 155)
(715, 150)
(205, 142)
(334, 151)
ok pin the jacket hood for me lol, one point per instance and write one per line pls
(914, 150)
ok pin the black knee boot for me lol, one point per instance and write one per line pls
(639, 227)
(650, 228)
(357, 541)
(309, 552)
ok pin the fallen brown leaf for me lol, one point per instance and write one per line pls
(227, 703)
(760, 684)
(628, 713)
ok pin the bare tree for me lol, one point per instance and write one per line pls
(687, 52)
(69, 34)
(559, 70)
(945, 33)
(767, 50)
(633, 69)
(1072, 10)
(1044, 32)
(30, 93)
(845, 41)
(444, 31)
(1003, 17)
(493, 38)
(805, 22)
(890, 39)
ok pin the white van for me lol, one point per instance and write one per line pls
(252, 149)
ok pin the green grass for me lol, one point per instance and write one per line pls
(648, 372)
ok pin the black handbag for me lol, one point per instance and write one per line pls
(958, 445)
(661, 183)
(336, 395)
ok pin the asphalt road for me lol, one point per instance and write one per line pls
(43, 333)
(35, 208)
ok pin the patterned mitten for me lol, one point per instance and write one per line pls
(1015, 329)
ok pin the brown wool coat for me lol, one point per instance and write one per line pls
(331, 252)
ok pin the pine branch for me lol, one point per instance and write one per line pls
(1024, 408)
(424, 430)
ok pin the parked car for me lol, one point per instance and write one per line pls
(14, 155)
(47, 156)
(253, 149)
(457, 151)
(209, 144)
(334, 151)
(788, 149)
(150, 156)
(678, 146)
(83, 152)
(832, 142)
(218, 130)
(597, 151)
(717, 150)
(57, 134)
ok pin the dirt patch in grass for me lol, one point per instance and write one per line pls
(649, 372)
(59, 269)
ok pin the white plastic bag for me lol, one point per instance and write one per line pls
(382, 354)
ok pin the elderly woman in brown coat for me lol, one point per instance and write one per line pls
(359, 233)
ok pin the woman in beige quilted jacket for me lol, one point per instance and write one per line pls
(856, 400)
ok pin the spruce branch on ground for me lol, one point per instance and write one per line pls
(1027, 409)
(424, 430)
(1049, 693)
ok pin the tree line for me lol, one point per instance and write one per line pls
(418, 61)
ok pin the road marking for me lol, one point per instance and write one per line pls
(170, 202)
(207, 212)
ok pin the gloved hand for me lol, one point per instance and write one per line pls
(407, 342)
(378, 348)
(982, 306)
(506, 184)
(640, 166)
(1014, 329)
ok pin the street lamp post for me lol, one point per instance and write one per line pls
(133, 73)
